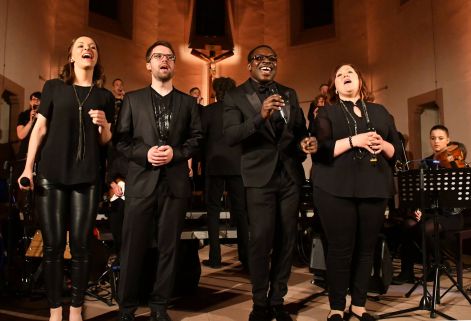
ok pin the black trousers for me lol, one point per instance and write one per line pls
(215, 186)
(352, 226)
(273, 212)
(57, 204)
(116, 218)
(152, 221)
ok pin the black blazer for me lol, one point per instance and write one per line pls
(260, 149)
(219, 157)
(136, 133)
(344, 176)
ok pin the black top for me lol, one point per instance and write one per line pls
(58, 155)
(221, 159)
(343, 175)
(23, 119)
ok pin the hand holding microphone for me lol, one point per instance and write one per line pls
(32, 115)
(25, 182)
(271, 104)
(274, 91)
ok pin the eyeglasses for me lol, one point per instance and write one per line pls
(160, 56)
(260, 58)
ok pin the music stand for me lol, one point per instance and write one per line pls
(433, 189)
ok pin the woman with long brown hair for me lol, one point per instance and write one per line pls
(73, 121)
(352, 181)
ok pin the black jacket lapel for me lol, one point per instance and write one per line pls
(256, 104)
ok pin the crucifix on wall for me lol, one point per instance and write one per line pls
(211, 36)
(211, 56)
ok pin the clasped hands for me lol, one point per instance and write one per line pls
(160, 155)
(371, 141)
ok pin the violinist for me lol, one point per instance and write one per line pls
(446, 154)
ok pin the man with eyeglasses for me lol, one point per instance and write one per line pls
(266, 119)
(158, 130)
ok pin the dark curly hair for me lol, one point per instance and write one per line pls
(221, 85)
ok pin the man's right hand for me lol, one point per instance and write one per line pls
(152, 155)
(32, 115)
(272, 103)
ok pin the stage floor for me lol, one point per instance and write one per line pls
(224, 295)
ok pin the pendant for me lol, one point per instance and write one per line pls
(373, 159)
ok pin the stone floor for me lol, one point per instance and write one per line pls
(224, 295)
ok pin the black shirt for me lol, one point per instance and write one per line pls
(221, 159)
(59, 149)
(162, 106)
(345, 175)
(23, 120)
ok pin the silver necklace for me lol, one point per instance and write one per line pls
(359, 152)
(81, 140)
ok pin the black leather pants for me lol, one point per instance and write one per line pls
(58, 205)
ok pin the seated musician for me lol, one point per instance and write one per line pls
(446, 154)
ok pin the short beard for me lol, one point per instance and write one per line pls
(161, 78)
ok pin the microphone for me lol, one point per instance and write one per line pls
(6, 165)
(273, 91)
(24, 181)
(425, 163)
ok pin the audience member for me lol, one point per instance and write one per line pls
(116, 170)
(318, 102)
(196, 92)
(222, 174)
(324, 90)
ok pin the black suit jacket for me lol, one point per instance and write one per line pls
(261, 151)
(136, 133)
(220, 158)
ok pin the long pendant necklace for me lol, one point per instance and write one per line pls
(81, 140)
(359, 153)
(369, 128)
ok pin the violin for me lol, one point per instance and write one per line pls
(451, 157)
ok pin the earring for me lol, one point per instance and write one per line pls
(336, 91)
(71, 60)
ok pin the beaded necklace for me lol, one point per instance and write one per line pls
(359, 153)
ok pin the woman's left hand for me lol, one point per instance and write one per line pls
(98, 117)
